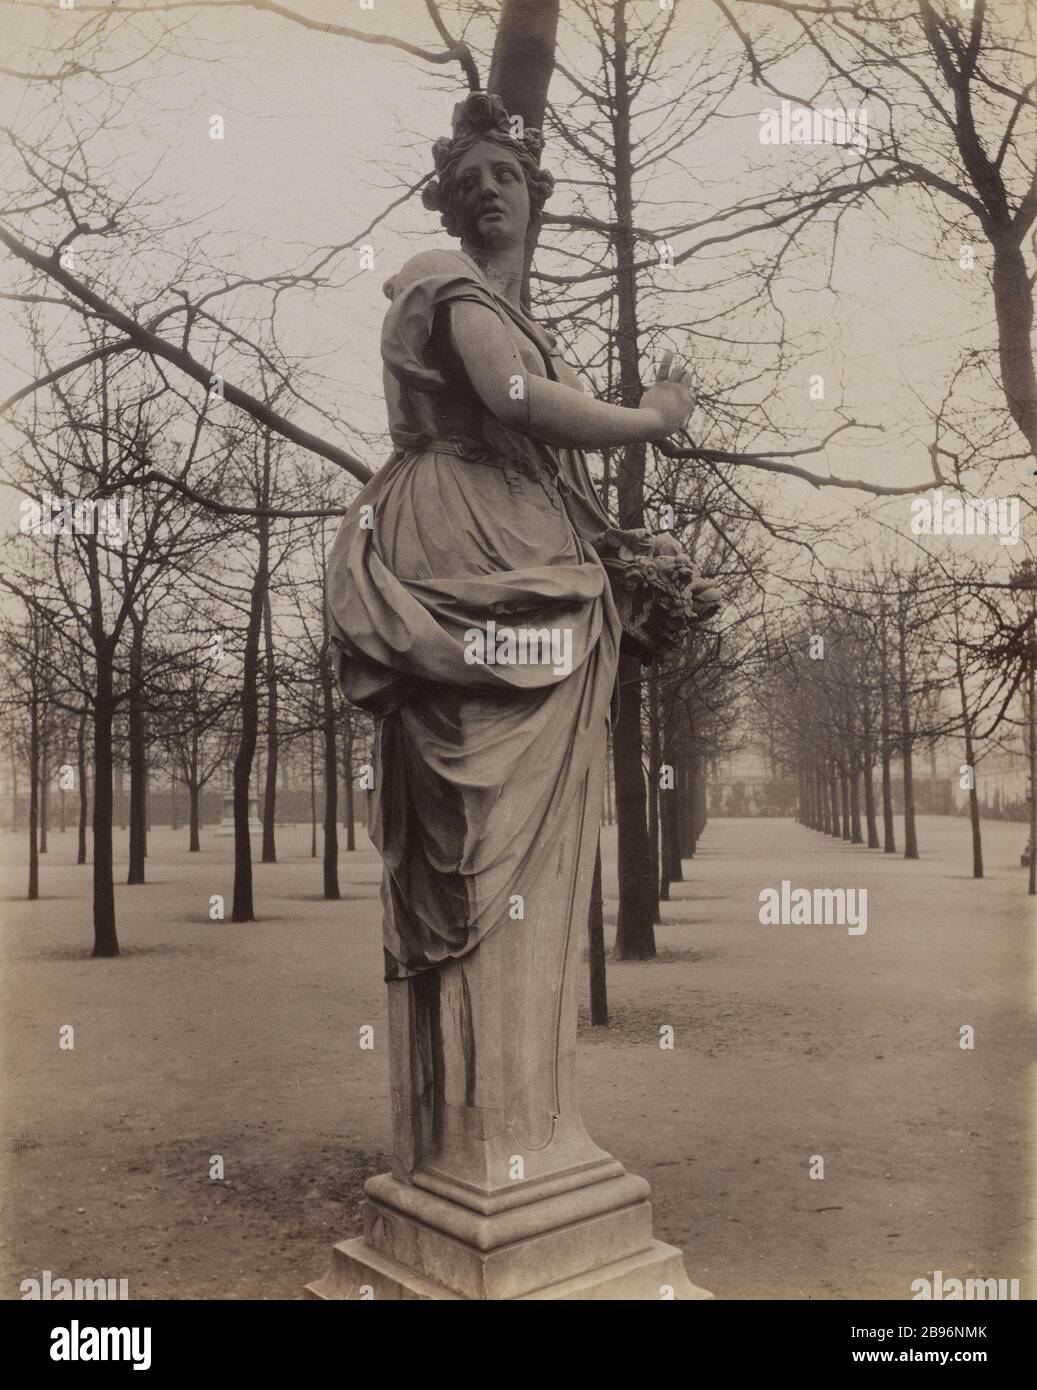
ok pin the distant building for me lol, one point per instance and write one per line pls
(748, 783)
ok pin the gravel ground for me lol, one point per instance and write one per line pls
(206, 1038)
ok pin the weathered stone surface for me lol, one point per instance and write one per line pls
(656, 1273)
(497, 1191)
(508, 1270)
(488, 794)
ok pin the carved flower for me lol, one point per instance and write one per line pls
(480, 112)
(441, 151)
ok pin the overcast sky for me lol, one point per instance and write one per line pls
(322, 132)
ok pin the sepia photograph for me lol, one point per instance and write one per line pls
(518, 740)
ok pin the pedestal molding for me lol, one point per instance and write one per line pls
(521, 1193)
(506, 1227)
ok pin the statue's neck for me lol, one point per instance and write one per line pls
(502, 268)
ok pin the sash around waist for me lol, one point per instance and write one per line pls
(538, 469)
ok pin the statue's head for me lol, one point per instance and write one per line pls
(489, 186)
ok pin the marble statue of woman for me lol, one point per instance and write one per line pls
(474, 619)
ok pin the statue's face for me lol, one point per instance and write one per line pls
(491, 199)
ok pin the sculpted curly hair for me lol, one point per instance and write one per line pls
(481, 116)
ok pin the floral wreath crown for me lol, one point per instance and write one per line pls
(482, 115)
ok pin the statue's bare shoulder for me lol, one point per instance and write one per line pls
(439, 261)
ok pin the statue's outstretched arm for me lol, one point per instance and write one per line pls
(548, 410)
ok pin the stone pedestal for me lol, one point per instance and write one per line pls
(594, 1242)
(497, 1191)
(226, 826)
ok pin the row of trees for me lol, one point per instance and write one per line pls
(169, 383)
(636, 274)
(187, 778)
(191, 617)
(891, 659)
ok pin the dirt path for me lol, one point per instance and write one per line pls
(243, 1041)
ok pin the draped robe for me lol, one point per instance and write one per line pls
(479, 768)
(488, 786)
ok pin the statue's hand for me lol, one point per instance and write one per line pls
(670, 400)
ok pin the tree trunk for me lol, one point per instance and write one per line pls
(120, 790)
(672, 823)
(654, 764)
(834, 799)
(824, 805)
(313, 801)
(693, 799)
(106, 941)
(347, 785)
(520, 72)
(194, 792)
(137, 752)
(970, 751)
(685, 843)
(523, 57)
(869, 805)
(910, 833)
(194, 844)
(669, 849)
(16, 810)
(272, 746)
(635, 936)
(331, 888)
(665, 848)
(83, 797)
(44, 783)
(889, 839)
(855, 806)
(596, 949)
(34, 794)
(977, 833)
(1031, 719)
(243, 909)
(1013, 302)
(701, 803)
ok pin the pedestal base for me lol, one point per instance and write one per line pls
(498, 1193)
(591, 1243)
(357, 1272)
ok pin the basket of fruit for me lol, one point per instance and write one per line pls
(657, 591)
